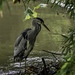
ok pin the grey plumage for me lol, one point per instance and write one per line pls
(26, 40)
(21, 45)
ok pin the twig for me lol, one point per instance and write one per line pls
(8, 6)
(54, 56)
(53, 52)
(24, 4)
(45, 70)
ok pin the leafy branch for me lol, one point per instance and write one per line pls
(68, 4)
(69, 48)
(29, 13)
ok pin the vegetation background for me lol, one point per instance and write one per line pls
(60, 20)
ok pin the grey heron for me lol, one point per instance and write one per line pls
(26, 40)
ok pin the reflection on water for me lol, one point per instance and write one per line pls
(12, 25)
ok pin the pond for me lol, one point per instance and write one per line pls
(12, 24)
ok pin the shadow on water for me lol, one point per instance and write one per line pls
(12, 25)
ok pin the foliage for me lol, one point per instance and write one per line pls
(1, 1)
(69, 5)
(1, 13)
(25, 1)
(29, 13)
(69, 48)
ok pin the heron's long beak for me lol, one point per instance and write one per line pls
(46, 27)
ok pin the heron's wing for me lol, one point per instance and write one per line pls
(25, 36)
(21, 45)
(22, 35)
(18, 40)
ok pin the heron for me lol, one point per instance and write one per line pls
(26, 40)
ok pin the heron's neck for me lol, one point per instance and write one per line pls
(36, 28)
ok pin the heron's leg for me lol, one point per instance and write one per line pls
(14, 63)
(20, 64)
(28, 51)
(20, 68)
(25, 62)
(25, 65)
(26, 54)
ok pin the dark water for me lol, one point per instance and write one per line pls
(11, 25)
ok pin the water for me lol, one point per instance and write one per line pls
(11, 25)
(16, 68)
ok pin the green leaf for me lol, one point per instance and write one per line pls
(64, 66)
(29, 14)
(27, 17)
(64, 36)
(70, 13)
(69, 59)
(28, 11)
(40, 5)
(37, 7)
(35, 14)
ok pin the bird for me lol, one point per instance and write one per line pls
(26, 40)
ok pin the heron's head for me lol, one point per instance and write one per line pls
(40, 21)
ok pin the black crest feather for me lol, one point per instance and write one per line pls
(39, 19)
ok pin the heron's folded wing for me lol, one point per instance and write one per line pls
(22, 35)
(18, 40)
